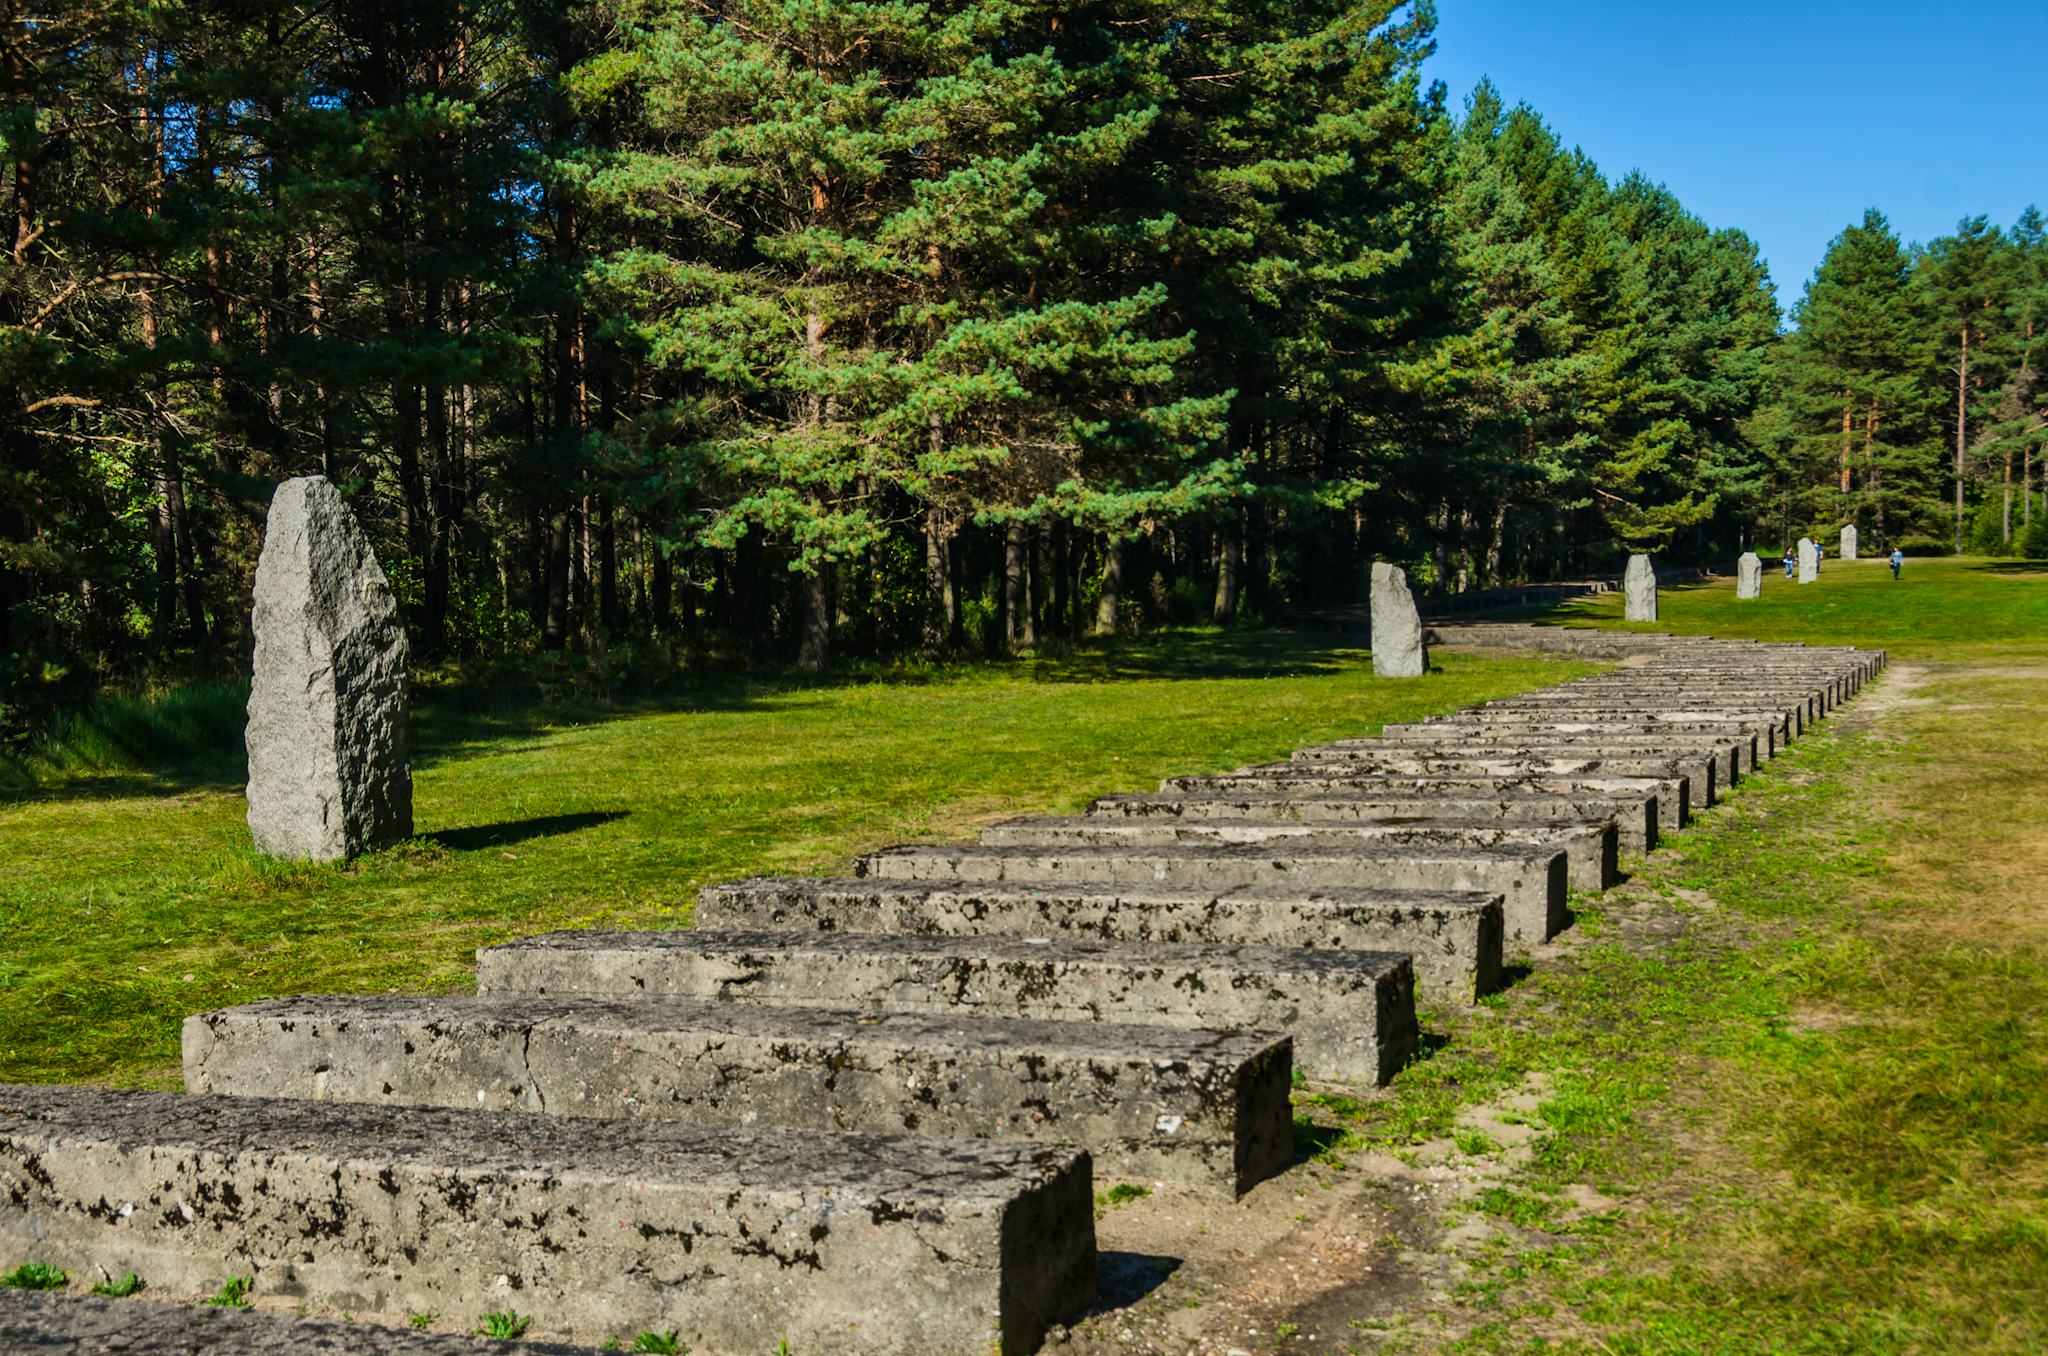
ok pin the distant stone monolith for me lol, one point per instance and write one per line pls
(1849, 542)
(1398, 650)
(1749, 576)
(1639, 586)
(329, 775)
(1809, 560)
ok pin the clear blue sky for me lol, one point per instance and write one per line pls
(1784, 119)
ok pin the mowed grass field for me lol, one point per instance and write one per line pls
(1815, 1115)
(129, 900)
(1788, 1086)
(1940, 609)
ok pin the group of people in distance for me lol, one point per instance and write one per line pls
(1896, 560)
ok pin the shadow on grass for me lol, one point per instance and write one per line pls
(1202, 655)
(2021, 568)
(455, 711)
(519, 830)
(1124, 1278)
(1511, 974)
(453, 715)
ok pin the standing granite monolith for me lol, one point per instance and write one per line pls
(329, 775)
(1639, 584)
(1749, 576)
(1398, 650)
(1849, 542)
(1809, 560)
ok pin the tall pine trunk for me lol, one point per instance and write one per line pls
(607, 566)
(1229, 571)
(555, 633)
(1034, 585)
(1013, 586)
(938, 583)
(660, 586)
(1109, 604)
(1848, 426)
(2005, 525)
(1962, 430)
(814, 641)
(1060, 614)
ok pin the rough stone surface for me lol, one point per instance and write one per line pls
(1590, 849)
(1809, 560)
(328, 770)
(1756, 738)
(1351, 1013)
(33, 1324)
(1734, 751)
(1793, 714)
(848, 1243)
(1639, 587)
(1398, 650)
(1647, 653)
(1674, 794)
(1532, 882)
(1749, 576)
(1634, 817)
(1205, 1108)
(1454, 937)
(1849, 542)
(1554, 761)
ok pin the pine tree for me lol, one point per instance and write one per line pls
(1957, 277)
(1852, 371)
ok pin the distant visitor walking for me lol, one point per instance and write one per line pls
(1791, 561)
(1898, 559)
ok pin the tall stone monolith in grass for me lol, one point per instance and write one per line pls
(1809, 560)
(1849, 542)
(1749, 576)
(329, 775)
(1639, 590)
(1398, 650)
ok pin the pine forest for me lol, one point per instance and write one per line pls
(807, 331)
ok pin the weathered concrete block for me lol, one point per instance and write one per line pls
(1205, 1108)
(1532, 882)
(597, 1227)
(1754, 738)
(1397, 644)
(1749, 576)
(1849, 542)
(1809, 560)
(1697, 772)
(1591, 849)
(1639, 587)
(329, 775)
(1290, 780)
(1351, 1013)
(1454, 937)
(1634, 817)
(1734, 751)
(50, 1324)
(1794, 714)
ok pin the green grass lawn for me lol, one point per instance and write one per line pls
(129, 901)
(1800, 1059)
(1817, 1112)
(1945, 608)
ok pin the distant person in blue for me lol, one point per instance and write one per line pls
(1898, 559)
(1791, 562)
(1819, 554)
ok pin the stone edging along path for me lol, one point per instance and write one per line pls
(868, 1114)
